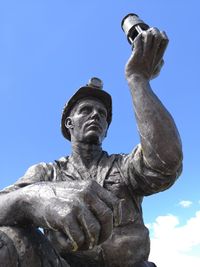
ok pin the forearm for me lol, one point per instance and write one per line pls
(25, 205)
(159, 136)
(10, 211)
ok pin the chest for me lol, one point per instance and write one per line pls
(110, 177)
(107, 175)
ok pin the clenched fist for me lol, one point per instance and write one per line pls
(82, 214)
(146, 60)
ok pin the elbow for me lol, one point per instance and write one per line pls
(168, 162)
(173, 161)
(173, 154)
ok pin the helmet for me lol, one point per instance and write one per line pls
(92, 89)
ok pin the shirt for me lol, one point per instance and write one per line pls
(127, 176)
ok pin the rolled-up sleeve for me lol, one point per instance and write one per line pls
(142, 178)
(37, 173)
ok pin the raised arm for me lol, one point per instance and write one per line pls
(161, 144)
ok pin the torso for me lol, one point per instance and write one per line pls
(129, 243)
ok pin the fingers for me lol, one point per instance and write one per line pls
(138, 47)
(85, 213)
(103, 214)
(154, 40)
(73, 231)
(59, 216)
(60, 241)
(90, 226)
(114, 203)
(164, 42)
(148, 44)
(162, 47)
(160, 42)
(81, 227)
(149, 48)
(77, 222)
(83, 189)
(136, 54)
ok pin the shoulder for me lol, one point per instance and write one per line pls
(38, 172)
(44, 171)
(48, 167)
(34, 174)
(61, 162)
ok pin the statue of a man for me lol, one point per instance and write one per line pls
(89, 203)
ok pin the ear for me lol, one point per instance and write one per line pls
(69, 123)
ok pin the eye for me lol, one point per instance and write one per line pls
(85, 110)
(103, 113)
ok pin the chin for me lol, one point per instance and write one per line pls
(92, 138)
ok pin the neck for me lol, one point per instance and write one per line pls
(86, 152)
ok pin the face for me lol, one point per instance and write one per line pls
(88, 121)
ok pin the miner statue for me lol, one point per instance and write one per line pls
(89, 204)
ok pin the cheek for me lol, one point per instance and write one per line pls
(105, 126)
(105, 123)
(79, 121)
(79, 124)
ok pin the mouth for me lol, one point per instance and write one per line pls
(94, 125)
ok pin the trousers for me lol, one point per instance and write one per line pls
(28, 247)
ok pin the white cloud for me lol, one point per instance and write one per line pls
(173, 244)
(148, 225)
(185, 203)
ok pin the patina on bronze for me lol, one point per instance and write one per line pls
(132, 25)
(90, 203)
(92, 89)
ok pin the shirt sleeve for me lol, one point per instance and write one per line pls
(143, 179)
(37, 173)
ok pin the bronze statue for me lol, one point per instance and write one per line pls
(89, 203)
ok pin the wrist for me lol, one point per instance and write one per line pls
(28, 203)
(136, 79)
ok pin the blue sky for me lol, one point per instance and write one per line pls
(50, 48)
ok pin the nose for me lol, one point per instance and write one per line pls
(95, 114)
